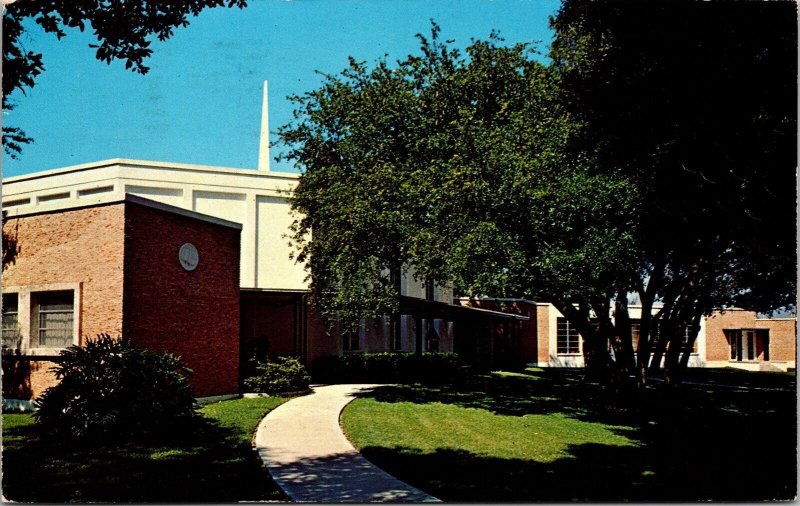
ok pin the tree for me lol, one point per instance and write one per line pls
(124, 31)
(455, 164)
(695, 104)
(654, 156)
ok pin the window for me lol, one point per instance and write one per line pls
(429, 293)
(687, 334)
(748, 344)
(54, 319)
(38, 318)
(432, 336)
(11, 333)
(751, 345)
(395, 334)
(351, 340)
(735, 340)
(568, 339)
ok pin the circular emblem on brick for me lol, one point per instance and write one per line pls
(188, 256)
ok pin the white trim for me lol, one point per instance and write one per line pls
(148, 164)
(500, 299)
(24, 315)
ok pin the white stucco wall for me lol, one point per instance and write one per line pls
(255, 199)
(697, 359)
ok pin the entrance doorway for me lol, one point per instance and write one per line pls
(749, 344)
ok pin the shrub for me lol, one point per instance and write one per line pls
(284, 374)
(110, 387)
(389, 367)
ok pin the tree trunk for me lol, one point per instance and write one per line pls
(687, 352)
(647, 296)
(644, 346)
(595, 350)
(660, 331)
(617, 375)
(623, 342)
(660, 341)
(671, 360)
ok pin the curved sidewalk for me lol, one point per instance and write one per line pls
(309, 457)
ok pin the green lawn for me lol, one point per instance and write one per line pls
(548, 436)
(212, 462)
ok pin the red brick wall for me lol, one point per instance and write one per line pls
(74, 246)
(320, 343)
(782, 334)
(194, 315)
(269, 322)
(26, 377)
(273, 315)
(543, 331)
(80, 245)
(523, 333)
(782, 338)
(717, 346)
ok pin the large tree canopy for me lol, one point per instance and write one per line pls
(695, 102)
(455, 164)
(124, 31)
(655, 156)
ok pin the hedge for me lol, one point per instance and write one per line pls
(388, 367)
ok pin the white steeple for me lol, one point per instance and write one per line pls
(263, 145)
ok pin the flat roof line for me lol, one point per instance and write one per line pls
(499, 299)
(130, 162)
(180, 211)
(134, 199)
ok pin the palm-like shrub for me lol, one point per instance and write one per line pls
(110, 387)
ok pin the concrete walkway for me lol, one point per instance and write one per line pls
(309, 457)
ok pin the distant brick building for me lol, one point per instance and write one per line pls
(740, 338)
(730, 338)
(164, 277)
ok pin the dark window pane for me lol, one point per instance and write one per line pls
(55, 301)
(10, 303)
(11, 333)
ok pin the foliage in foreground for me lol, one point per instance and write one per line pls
(390, 367)
(280, 375)
(111, 388)
(214, 462)
(551, 436)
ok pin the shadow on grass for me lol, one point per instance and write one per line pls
(593, 473)
(550, 391)
(693, 443)
(740, 378)
(203, 463)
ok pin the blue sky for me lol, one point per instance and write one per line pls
(201, 101)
